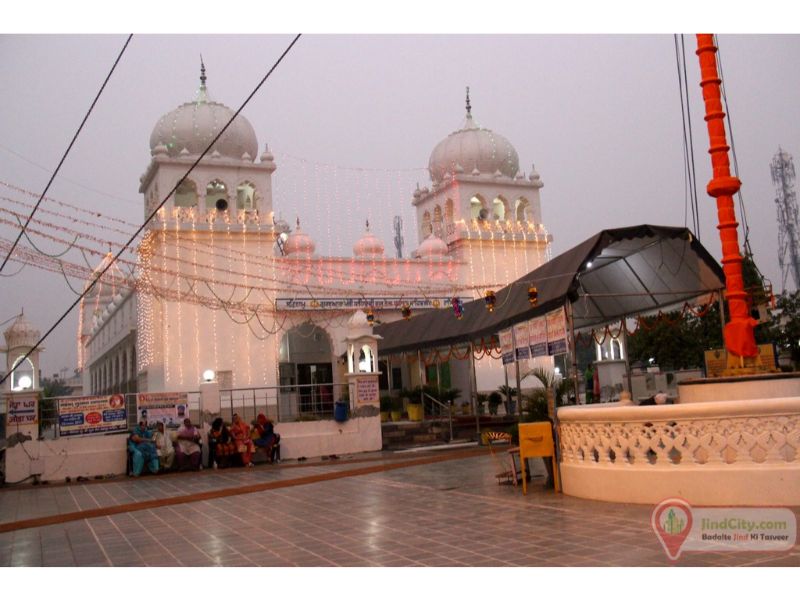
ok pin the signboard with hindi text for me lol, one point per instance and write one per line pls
(537, 333)
(507, 346)
(21, 411)
(378, 303)
(367, 390)
(521, 344)
(556, 332)
(90, 415)
(167, 407)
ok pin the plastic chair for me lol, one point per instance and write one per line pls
(491, 439)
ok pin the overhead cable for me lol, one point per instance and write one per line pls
(155, 210)
(63, 158)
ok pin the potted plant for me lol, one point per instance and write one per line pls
(449, 396)
(386, 407)
(536, 406)
(509, 393)
(415, 408)
(480, 403)
(495, 400)
(397, 408)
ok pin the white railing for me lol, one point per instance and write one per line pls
(725, 433)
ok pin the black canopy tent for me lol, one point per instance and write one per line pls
(613, 274)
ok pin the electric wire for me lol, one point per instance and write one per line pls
(686, 174)
(66, 153)
(692, 169)
(690, 188)
(150, 217)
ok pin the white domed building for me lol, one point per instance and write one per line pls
(222, 286)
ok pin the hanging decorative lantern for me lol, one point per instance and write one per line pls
(406, 311)
(533, 295)
(458, 307)
(370, 317)
(491, 299)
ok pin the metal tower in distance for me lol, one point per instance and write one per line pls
(783, 176)
(398, 235)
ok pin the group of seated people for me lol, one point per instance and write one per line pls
(161, 450)
(239, 442)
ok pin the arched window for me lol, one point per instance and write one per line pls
(477, 208)
(426, 224)
(521, 209)
(448, 210)
(23, 376)
(437, 214)
(186, 194)
(499, 209)
(216, 195)
(365, 360)
(246, 196)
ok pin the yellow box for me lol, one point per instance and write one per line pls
(536, 440)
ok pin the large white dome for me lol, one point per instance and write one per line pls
(470, 148)
(194, 124)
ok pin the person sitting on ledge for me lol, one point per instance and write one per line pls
(221, 446)
(164, 447)
(267, 438)
(188, 454)
(142, 449)
(241, 435)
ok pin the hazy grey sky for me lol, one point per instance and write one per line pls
(599, 115)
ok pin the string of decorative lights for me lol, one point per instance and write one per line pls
(66, 153)
(331, 273)
(281, 281)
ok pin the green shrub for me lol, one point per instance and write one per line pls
(397, 404)
(535, 406)
(495, 399)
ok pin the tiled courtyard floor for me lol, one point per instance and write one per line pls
(447, 513)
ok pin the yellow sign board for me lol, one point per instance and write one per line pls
(717, 360)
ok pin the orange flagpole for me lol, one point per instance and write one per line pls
(738, 333)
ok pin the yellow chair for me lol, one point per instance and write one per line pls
(536, 440)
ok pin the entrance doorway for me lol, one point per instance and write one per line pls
(316, 388)
(306, 372)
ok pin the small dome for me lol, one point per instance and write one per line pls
(432, 246)
(474, 148)
(21, 333)
(299, 243)
(193, 125)
(368, 246)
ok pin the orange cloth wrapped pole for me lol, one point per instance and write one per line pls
(738, 333)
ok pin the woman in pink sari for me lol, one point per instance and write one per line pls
(244, 445)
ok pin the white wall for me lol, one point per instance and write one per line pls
(323, 438)
(67, 457)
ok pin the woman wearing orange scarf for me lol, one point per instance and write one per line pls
(244, 445)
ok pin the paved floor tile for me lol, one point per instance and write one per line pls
(446, 514)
